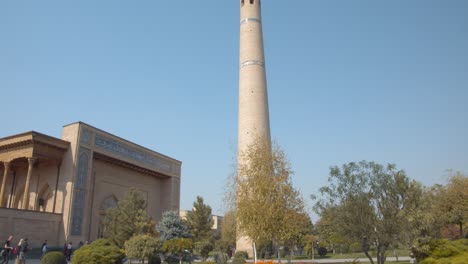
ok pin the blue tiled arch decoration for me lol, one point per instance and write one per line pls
(79, 191)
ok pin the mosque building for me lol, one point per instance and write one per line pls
(59, 189)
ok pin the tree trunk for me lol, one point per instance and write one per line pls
(380, 255)
(279, 254)
(369, 257)
(255, 252)
(290, 256)
(180, 259)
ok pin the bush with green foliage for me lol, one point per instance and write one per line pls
(155, 259)
(241, 254)
(101, 251)
(442, 251)
(221, 258)
(54, 257)
(240, 257)
(142, 247)
(203, 248)
(238, 260)
(322, 251)
(221, 246)
(178, 246)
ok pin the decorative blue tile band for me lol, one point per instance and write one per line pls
(132, 153)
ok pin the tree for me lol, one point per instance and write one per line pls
(310, 242)
(177, 246)
(199, 220)
(203, 248)
(454, 201)
(228, 231)
(297, 225)
(172, 226)
(370, 203)
(328, 234)
(127, 219)
(264, 193)
(142, 247)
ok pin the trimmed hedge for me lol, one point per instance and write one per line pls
(101, 251)
(241, 254)
(54, 257)
(238, 260)
(442, 251)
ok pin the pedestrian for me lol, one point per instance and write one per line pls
(44, 248)
(69, 251)
(23, 249)
(7, 250)
(16, 250)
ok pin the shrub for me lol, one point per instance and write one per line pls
(54, 257)
(444, 251)
(142, 247)
(238, 260)
(101, 251)
(241, 254)
(322, 251)
(203, 248)
(221, 258)
(441, 251)
(355, 247)
(221, 245)
(155, 259)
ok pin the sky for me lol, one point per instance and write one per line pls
(383, 81)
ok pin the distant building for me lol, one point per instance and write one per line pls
(217, 220)
(59, 189)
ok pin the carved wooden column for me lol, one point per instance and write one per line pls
(5, 175)
(25, 204)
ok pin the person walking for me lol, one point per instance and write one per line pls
(23, 249)
(7, 251)
(44, 248)
(69, 251)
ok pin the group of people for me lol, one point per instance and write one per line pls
(9, 250)
(19, 251)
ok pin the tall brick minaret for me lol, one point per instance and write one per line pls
(254, 118)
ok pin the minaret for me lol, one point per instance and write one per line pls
(254, 119)
(253, 99)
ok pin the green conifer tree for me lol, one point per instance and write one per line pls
(128, 219)
(199, 220)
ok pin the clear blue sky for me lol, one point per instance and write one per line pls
(348, 80)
